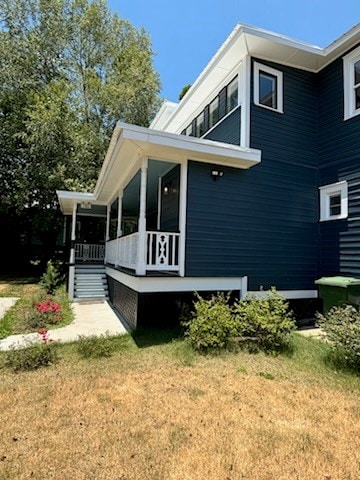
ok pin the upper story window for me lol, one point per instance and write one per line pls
(334, 201)
(268, 87)
(189, 130)
(352, 84)
(214, 112)
(200, 125)
(225, 102)
(232, 94)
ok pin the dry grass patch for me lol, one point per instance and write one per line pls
(151, 414)
(18, 287)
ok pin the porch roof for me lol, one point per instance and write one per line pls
(129, 143)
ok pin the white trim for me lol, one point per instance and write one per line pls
(288, 294)
(141, 263)
(349, 61)
(176, 284)
(183, 215)
(245, 88)
(159, 204)
(326, 191)
(107, 234)
(279, 86)
(197, 284)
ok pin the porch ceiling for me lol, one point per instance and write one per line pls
(130, 143)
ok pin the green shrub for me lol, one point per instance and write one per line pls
(211, 325)
(95, 347)
(264, 323)
(52, 278)
(342, 327)
(32, 357)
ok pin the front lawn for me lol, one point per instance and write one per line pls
(26, 316)
(157, 410)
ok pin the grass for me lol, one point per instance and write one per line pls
(18, 287)
(28, 290)
(155, 410)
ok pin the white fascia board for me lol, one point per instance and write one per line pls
(176, 284)
(209, 150)
(163, 114)
(288, 294)
(324, 55)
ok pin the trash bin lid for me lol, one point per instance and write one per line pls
(342, 282)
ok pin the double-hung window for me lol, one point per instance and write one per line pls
(352, 84)
(268, 87)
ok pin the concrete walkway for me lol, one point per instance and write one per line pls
(90, 318)
(314, 332)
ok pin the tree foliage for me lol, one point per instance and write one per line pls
(69, 69)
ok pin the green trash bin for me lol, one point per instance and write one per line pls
(335, 291)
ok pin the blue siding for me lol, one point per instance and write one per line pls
(262, 222)
(228, 130)
(339, 159)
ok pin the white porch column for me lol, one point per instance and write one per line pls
(72, 254)
(107, 235)
(141, 263)
(119, 230)
(182, 216)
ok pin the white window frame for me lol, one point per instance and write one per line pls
(327, 191)
(259, 67)
(349, 61)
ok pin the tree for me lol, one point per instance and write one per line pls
(184, 91)
(69, 69)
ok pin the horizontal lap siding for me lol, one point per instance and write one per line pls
(262, 222)
(228, 130)
(339, 159)
(235, 228)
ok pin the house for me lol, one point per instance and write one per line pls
(251, 181)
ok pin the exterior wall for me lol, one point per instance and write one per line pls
(262, 222)
(339, 159)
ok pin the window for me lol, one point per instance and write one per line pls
(232, 95)
(226, 101)
(352, 84)
(268, 87)
(334, 201)
(200, 125)
(214, 112)
(189, 130)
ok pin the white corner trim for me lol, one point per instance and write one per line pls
(326, 191)
(183, 215)
(288, 294)
(349, 61)
(244, 100)
(279, 84)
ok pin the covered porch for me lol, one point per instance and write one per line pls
(141, 196)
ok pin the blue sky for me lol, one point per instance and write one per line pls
(187, 33)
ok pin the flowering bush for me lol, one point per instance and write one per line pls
(50, 310)
(43, 313)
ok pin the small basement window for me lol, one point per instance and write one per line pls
(334, 201)
(268, 87)
(352, 84)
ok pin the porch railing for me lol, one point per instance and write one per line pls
(89, 252)
(161, 251)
